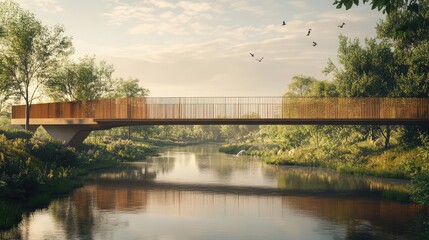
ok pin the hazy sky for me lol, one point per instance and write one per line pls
(201, 48)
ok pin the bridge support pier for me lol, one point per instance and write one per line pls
(71, 135)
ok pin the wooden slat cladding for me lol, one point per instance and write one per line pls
(233, 108)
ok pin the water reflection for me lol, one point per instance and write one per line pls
(100, 211)
(198, 193)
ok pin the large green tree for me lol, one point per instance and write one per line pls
(30, 51)
(410, 44)
(81, 81)
(365, 70)
(308, 86)
(128, 88)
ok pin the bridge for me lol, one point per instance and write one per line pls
(72, 122)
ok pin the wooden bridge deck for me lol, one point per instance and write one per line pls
(228, 110)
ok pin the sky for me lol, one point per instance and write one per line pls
(185, 48)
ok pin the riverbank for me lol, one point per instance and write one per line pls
(359, 159)
(34, 170)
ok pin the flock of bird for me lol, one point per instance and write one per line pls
(308, 34)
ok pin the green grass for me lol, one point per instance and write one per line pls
(10, 215)
(234, 149)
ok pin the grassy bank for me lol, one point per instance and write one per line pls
(33, 170)
(361, 158)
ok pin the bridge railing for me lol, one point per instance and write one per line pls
(233, 108)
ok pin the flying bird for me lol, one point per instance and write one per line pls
(284, 23)
(252, 54)
(309, 31)
(342, 25)
(260, 60)
(314, 44)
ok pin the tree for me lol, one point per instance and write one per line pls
(129, 88)
(387, 6)
(30, 52)
(366, 71)
(5, 85)
(300, 85)
(307, 86)
(81, 81)
(410, 46)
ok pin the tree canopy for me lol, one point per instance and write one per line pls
(365, 71)
(387, 6)
(31, 52)
(128, 88)
(81, 81)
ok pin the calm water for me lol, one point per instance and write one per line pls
(198, 193)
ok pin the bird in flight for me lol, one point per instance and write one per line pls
(314, 44)
(252, 54)
(260, 60)
(309, 31)
(284, 23)
(342, 25)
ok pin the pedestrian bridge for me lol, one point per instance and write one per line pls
(73, 121)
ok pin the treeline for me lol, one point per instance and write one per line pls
(36, 65)
(185, 134)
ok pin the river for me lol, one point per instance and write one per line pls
(195, 192)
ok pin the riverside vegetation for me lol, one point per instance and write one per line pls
(33, 168)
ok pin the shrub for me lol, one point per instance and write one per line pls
(420, 189)
(16, 134)
(53, 153)
(10, 214)
(234, 149)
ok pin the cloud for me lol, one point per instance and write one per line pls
(122, 13)
(195, 8)
(298, 4)
(245, 6)
(51, 6)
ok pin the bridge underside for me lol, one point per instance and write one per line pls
(258, 121)
(74, 131)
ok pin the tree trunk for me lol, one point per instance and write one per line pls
(387, 140)
(373, 135)
(386, 136)
(27, 115)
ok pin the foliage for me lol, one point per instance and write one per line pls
(409, 33)
(14, 134)
(177, 134)
(127, 88)
(31, 52)
(234, 149)
(366, 71)
(387, 6)
(110, 149)
(309, 86)
(53, 153)
(11, 215)
(32, 170)
(420, 190)
(81, 81)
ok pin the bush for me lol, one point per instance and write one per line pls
(53, 153)
(234, 149)
(420, 189)
(10, 215)
(16, 134)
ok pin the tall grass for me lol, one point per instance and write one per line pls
(11, 214)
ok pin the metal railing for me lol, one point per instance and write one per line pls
(233, 108)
